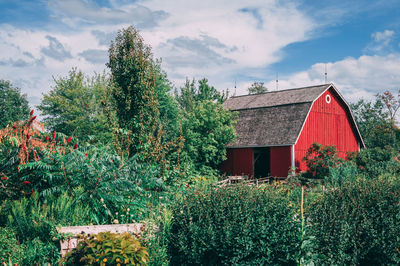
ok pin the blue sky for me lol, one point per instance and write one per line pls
(224, 41)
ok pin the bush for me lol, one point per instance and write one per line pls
(358, 223)
(9, 246)
(110, 248)
(157, 242)
(341, 174)
(319, 159)
(34, 222)
(237, 225)
(376, 162)
(32, 218)
(40, 253)
(108, 182)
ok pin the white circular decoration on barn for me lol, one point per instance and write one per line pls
(328, 98)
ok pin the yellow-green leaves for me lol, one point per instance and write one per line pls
(110, 249)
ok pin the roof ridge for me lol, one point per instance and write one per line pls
(292, 89)
(270, 106)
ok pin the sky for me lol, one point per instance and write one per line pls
(228, 42)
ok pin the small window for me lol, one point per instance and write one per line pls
(328, 98)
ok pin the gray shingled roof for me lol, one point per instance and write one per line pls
(277, 125)
(272, 118)
(275, 98)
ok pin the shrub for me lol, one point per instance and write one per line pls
(39, 252)
(319, 159)
(106, 180)
(110, 248)
(341, 174)
(34, 222)
(358, 223)
(157, 241)
(9, 246)
(375, 162)
(33, 218)
(233, 225)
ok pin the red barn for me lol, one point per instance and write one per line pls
(275, 129)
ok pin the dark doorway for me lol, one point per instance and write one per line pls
(261, 159)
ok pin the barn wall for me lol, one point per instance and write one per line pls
(227, 165)
(280, 161)
(328, 124)
(239, 162)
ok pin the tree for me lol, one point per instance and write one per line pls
(207, 129)
(133, 94)
(13, 105)
(73, 106)
(139, 86)
(392, 104)
(207, 126)
(167, 104)
(257, 87)
(375, 123)
(377, 161)
(189, 95)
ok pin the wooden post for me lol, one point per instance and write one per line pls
(302, 208)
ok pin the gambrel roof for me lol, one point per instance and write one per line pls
(276, 118)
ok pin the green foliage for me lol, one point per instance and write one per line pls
(341, 173)
(108, 249)
(13, 105)
(40, 253)
(234, 225)
(73, 106)
(375, 162)
(157, 242)
(11, 185)
(207, 129)
(108, 183)
(257, 87)
(134, 98)
(358, 223)
(189, 95)
(374, 123)
(32, 218)
(34, 222)
(167, 104)
(9, 246)
(319, 159)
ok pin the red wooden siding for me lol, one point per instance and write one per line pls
(328, 124)
(280, 161)
(239, 162)
(227, 165)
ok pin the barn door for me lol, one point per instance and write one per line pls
(261, 162)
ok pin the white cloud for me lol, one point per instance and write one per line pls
(221, 40)
(381, 41)
(356, 78)
(218, 40)
(33, 57)
(213, 39)
(254, 45)
(76, 12)
(384, 37)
